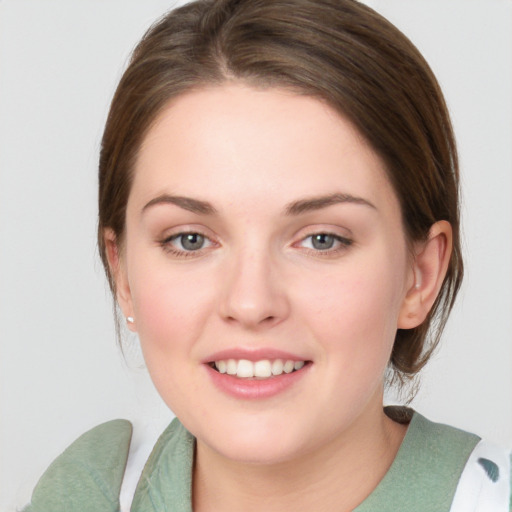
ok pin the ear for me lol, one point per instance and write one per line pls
(118, 271)
(429, 269)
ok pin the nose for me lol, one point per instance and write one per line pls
(254, 295)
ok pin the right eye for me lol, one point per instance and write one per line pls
(190, 241)
(185, 244)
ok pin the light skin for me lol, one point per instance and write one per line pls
(297, 245)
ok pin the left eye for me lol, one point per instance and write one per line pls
(189, 241)
(324, 241)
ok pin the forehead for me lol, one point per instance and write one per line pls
(235, 141)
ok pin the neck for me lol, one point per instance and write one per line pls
(336, 477)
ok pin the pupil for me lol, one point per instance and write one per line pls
(192, 241)
(323, 241)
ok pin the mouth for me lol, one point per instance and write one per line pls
(261, 370)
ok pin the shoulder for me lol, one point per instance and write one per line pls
(167, 475)
(486, 482)
(434, 442)
(481, 470)
(88, 474)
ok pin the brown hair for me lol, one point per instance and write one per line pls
(337, 50)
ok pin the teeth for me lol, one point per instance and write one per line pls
(277, 367)
(231, 367)
(222, 366)
(288, 366)
(263, 369)
(245, 368)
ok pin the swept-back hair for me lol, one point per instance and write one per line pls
(339, 51)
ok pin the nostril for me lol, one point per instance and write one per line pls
(246, 319)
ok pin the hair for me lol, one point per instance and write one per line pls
(339, 51)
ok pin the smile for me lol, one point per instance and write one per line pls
(262, 369)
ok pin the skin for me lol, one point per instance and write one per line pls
(258, 281)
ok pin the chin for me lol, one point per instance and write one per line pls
(255, 452)
(255, 442)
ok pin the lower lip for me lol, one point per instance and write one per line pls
(251, 389)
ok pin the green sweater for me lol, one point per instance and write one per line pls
(88, 475)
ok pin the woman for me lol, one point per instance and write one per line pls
(279, 224)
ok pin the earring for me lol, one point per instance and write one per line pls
(129, 319)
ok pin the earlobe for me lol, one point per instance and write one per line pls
(118, 272)
(430, 264)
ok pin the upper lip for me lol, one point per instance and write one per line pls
(253, 355)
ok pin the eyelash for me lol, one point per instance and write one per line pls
(344, 244)
(169, 248)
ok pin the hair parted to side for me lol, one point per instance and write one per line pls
(339, 51)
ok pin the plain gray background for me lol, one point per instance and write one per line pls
(60, 369)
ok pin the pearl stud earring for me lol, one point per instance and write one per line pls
(129, 319)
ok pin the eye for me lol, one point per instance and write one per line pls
(325, 242)
(190, 241)
(322, 241)
(183, 244)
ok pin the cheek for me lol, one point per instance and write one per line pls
(170, 307)
(354, 311)
(171, 313)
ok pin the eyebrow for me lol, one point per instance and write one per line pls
(317, 203)
(295, 208)
(187, 203)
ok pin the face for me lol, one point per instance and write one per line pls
(265, 265)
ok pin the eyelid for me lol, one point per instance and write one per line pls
(342, 242)
(341, 239)
(177, 236)
(166, 240)
(184, 229)
(324, 229)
